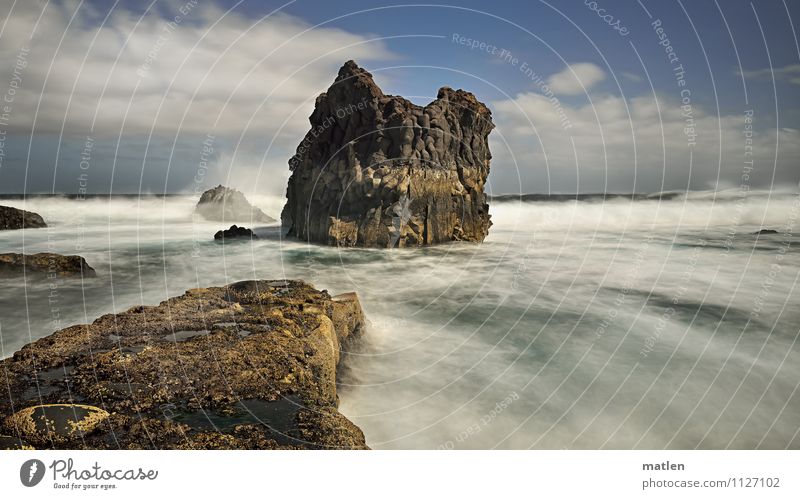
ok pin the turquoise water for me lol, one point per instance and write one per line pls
(576, 324)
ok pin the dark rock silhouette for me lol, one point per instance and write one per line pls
(766, 231)
(377, 170)
(40, 264)
(251, 365)
(235, 232)
(223, 204)
(14, 218)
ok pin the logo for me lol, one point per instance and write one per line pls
(31, 472)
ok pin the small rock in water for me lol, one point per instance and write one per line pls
(17, 264)
(765, 231)
(235, 232)
(14, 218)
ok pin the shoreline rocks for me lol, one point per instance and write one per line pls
(14, 219)
(41, 264)
(376, 170)
(251, 365)
(234, 232)
(223, 204)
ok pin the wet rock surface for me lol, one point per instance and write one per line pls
(56, 423)
(376, 170)
(7, 442)
(44, 264)
(14, 218)
(251, 365)
(223, 204)
(235, 232)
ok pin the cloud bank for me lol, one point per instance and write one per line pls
(191, 69)
(637, 144)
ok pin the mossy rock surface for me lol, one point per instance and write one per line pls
(17, 265)
(56, 423)
(7, 442)
(251, 365)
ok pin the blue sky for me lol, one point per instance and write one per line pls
(248, 77)
(554, 37)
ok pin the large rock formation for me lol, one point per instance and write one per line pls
(223, 204)
(251, 365)
(14, 218)
(41, 264)
(377, 170)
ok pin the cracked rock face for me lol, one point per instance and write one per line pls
(376, 170)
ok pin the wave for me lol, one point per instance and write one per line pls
(712, 211)
(123, 209)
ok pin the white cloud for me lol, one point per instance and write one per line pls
(217, 70)
(790, 73)
(576, 78)
(632, 77)
(627, 145)
(268, 72)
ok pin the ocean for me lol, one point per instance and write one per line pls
(617, 322)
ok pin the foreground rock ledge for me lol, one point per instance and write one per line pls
(251, 365)
(376, 170)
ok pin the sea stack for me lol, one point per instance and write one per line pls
(224, 204)
(376, 170)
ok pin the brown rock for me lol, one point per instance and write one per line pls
(7, 442)
(251, 365)
(377, 170)
(56, 423)
(52, 264)
(234, 232)
(13, 218)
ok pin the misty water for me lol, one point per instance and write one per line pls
(575, 324)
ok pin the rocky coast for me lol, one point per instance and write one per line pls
(251, 365)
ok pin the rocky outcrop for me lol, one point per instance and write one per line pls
(235, 232)
(377, 170)
(50, 264)
(251, 365)
(55, 423)
(14, 218)
(223, 204)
